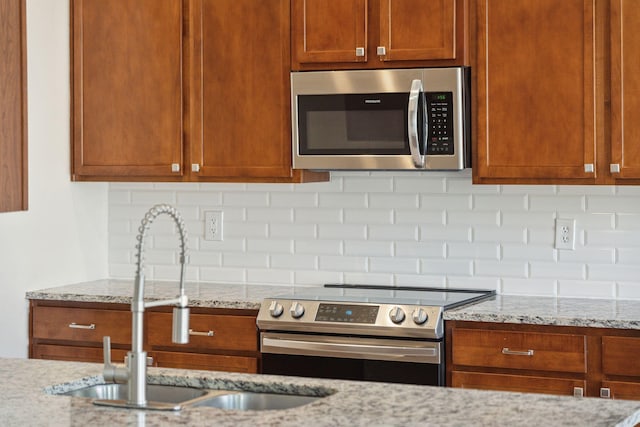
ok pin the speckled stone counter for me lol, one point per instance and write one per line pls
(211, 295)
(27, 399)
(597, 313)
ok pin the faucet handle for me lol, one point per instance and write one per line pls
(106, 350)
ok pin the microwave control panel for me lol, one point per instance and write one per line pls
(439, 123)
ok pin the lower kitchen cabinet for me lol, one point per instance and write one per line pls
(220, 339)
(565, 360)
(225, 340)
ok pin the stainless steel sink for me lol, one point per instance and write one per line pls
(155, 393)
(245, 401)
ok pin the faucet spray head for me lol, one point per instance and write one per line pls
(180, 333)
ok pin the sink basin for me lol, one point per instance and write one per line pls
(245, 401)
(155, 393)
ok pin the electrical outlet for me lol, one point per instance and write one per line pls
(213, 225)
(565, 234)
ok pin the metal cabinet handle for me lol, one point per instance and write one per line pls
(589, 168)
(359, 51)
(381, 51)
(505, 350)
(578, 392)
(74, 325)
(614, 168)
(195, 167)
(412, 124)
(175, 167)
(202, 334)
(605, 392)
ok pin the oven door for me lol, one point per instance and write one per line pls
(353, 358)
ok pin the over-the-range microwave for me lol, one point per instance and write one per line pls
(400, 119)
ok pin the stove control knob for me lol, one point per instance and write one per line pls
(276, 309)
(297, 310)
(396, 315)
(420, 316)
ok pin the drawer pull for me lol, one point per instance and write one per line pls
(505, 350)
(202, 334)
(74, 325)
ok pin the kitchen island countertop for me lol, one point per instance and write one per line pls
(28, 385)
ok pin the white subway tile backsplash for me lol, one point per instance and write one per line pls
(530, 252)
(573, 288)
(277, 246)
(459, 250)
(393, 201)
(294, 200)
(368, 216)
(342, 231)
(277, 215)
(318, 247)
(511, 203)
(342, 200)
(551, 270)
(317, 215)
(492, 268)
(392, 232)
(394, 265)
(368, 184)
(342, 263)
(410, 229)
(534, 287)
(368, 248)
(558, 203)
(294, 262)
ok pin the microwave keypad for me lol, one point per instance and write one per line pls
(439, 123)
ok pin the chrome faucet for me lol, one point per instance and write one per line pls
(134, 373)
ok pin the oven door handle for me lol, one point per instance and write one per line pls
(412, 124)
(427, 352)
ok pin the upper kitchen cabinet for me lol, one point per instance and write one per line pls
(625, 90)
(378, 33)
(127, 88)
(182, 90)
(545, 71)
(537, 91)
(13, 106)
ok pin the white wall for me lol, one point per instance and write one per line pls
(392, 228)
(62, 238)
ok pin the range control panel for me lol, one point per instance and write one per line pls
(399, 320)
(439, 123)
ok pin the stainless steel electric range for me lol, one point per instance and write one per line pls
(360, 332)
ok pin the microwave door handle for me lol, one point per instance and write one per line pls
(412, 124)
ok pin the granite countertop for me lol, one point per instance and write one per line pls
(29, 384)
(210, 295)
(585, 312)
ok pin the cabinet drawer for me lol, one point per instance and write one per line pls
(81, 324)
(228, 332)
(519, 350)
(623, 390)
(76, 354)
(617, 355)
(524, 384)
(207, 362)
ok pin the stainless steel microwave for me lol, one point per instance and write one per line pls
(404, 119)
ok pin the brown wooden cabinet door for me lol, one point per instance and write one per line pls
(535, 86)
(240, 115)
(625, 87)
(13, 106)
(417, 30)
(329, 31)
(127, 88)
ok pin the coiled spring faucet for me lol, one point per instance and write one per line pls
(135, 371)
